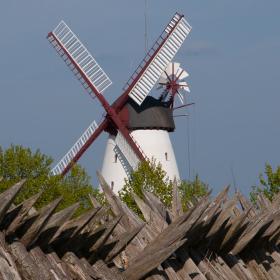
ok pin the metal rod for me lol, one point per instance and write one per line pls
(183, 115)
(183, 106)
(146, 26)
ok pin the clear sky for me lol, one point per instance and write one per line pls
(232, 56)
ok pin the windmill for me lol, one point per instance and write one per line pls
(132, 111)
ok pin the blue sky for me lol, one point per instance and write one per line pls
(232, 56)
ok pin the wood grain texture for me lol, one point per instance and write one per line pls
(217, 238)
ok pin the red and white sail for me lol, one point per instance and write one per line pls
(158, 58)
(79, 59)
(72, 153)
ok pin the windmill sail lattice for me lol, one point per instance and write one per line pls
(170, 40)
(71, 49)
(66, 160)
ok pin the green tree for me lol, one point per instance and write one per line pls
(151, 177)
(18, 163)
(269, 183)
(192, 189)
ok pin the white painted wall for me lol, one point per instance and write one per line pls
(154, 143)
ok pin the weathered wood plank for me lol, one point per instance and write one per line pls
(203, 265)
(73, 227)
(143, 266)
(170, 272)
(26, 265)
(157, 206)
(109, 229)
(59, 266)
(274, 226)
(130, 219)
(177, 209)
(122, 241)
(8, 268)
(155, 220)
(226, 270)
(94, 201)
(179, 250)
(234, 228)
(105, 273)
(7, 198)
(77, 268)
(43, 264)
(32, 234)
(171, 235)
(238, 267)
(245, 205)
(251, 232)
(21, 212)
(55, 222)
(188, 267)
(256, 269)
(223, 217)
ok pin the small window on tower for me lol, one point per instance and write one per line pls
(166, 156)
(116, 158)
(112, 185)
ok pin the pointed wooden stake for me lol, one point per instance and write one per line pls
(130, 219)
(155, 204)
(94, 201)
(109, 229)
(22, 210)
(55, 222)
(123, 241)
(73, 227)
(113, 200)
(34, 231)
(8, 196)
(153, 218)
(177, 209)
(143, 266)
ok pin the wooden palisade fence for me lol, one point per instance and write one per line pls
(220, 238)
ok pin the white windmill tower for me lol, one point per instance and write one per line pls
(137, 124)
(150, 125)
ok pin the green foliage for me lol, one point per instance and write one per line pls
(269, 184)
(190, 189)
(18, 163)
(151, 177)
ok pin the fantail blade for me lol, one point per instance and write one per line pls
(182, 74)
(181, 97)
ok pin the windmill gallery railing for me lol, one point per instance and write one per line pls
(219, 238)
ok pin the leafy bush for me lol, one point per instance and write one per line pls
(151, 177)
(18, 163)
(269, 183)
